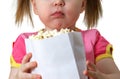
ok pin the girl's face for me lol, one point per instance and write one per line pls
(57, 14)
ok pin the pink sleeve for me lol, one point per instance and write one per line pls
(103, 49)
(18, 51)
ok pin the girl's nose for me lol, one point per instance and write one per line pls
(59, 3)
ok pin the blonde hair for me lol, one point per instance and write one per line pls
(23, 9)
(93, 12)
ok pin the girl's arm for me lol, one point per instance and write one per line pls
(104, 69)
(24, 71)
(13, 73)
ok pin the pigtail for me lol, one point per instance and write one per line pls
(93, 12)
(23, 9)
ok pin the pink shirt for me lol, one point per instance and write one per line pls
(96, 47)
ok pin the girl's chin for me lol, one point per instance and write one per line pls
(55, 27)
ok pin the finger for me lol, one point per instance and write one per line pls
(26, 58)
(28, 66)
(91, 66)
(91, 74)
(31, 76)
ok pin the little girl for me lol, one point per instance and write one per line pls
(57, 14)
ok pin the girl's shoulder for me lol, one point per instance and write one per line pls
(27, 34)
(21, 37)
(91, 33)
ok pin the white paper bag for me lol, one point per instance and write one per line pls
(59, 57)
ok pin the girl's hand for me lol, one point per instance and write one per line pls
(26, 67)
(93, 72)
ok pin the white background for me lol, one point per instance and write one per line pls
(108, 26)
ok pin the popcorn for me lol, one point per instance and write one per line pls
(47, 34)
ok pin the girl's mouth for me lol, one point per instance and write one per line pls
(58, 14)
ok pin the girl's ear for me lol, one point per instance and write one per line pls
(83, 5)
(33, 2)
